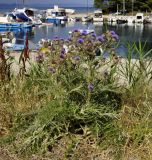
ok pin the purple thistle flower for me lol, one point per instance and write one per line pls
(61, 39)
(52, 70)
(76, 30)
(62, 56)
(94, 35)
(90, 87)
(101, 38)
(115, 36)
(40, 57)
(112, 32)
(63, 51)
(76, 58)
(80, 41)
(69, 39)
(37, 59)
(84, 33)
(56, 38)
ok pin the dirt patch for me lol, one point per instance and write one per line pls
(5, 155)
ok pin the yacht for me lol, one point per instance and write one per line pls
(17, 44)
(112, 19)
(27, 15)
(69, 11)
(130, 20)
(98, 16)
(87, 19)
(121, 20)
(56, 15)
(148, 19)
(19, 18)
(139, 18)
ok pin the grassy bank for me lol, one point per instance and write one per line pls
(75, 104)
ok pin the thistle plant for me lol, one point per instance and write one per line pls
(72, 94)
(77, 56)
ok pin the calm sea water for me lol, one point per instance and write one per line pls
(127, 33)
(132, 33)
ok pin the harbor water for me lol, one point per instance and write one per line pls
(126, 32)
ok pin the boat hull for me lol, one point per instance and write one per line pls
(14, 25)
(55, 20)
(120, 21)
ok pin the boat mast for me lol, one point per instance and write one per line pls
(132, 7)
(87, 7)
(117, 8)
(124, 7)
(16, 4)
(23, 2)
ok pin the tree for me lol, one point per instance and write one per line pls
(111, 5)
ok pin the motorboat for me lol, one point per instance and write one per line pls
(27, 15)
(112, 19)
(15, 20)
(69, 11)
(20, 16)
(121, 20)
(148, 19)
(98, 16)
(87, 19)
(139, 18)
(6, 36)
(18, 44)
(130, 20)
(56, 15)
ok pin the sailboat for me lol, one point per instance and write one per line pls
(87, 18)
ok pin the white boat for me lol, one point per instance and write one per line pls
(19, 45)
(130, 20)
(148, 19)
(27, 15)
(69, 11)
(56, 15)
(139, 18)
(112, 19)
(87, 19)
(19, 16)
(4, 19)
(121, 20)
(98, 16)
